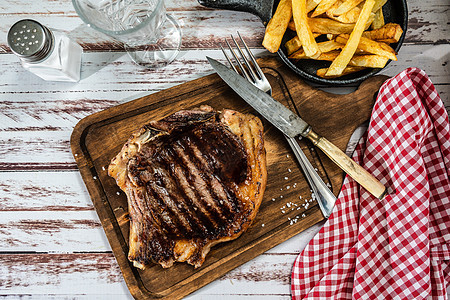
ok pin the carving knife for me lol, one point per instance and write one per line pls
(292, 125)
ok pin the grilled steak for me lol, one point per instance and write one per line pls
(193, 179)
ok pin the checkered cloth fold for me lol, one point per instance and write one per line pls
(398, 247)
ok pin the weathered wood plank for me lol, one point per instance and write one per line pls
(115, 72)
(204, 28)
(51, 231)
(43, 191)
(98, 273)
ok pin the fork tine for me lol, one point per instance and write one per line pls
(244, 58)
(241, 67)
(252, 58)
(228, 59)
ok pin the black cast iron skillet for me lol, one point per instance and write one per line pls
(395, 11)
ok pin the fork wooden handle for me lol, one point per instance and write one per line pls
(358, 173)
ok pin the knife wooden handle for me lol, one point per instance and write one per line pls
(358, 173)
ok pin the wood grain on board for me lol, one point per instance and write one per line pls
(97, 138)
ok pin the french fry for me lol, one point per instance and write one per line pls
(277, 26)
(368, 61)
(338, 65)
(349, 17)
(294, 44)
(324, 47)
(346, 6)
(378, 22)
(389, 33)
(378, 5)
(370, 46)
(323, 6)
(328, 56)
(302, 28)
(311, 4)
(348, 70)
(328, 26)
(346, 43)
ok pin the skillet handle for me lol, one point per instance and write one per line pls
(260, 8)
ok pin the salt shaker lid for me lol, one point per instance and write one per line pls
(30, 40)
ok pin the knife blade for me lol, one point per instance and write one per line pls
(292, 125)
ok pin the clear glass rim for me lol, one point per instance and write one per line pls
(82, 16)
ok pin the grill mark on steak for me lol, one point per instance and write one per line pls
(185, 179)
(197, 179)
(172, 199)
(224, 198)
(184, 200)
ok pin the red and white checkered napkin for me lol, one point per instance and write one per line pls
(398, 247)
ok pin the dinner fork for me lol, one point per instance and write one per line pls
(250, 69)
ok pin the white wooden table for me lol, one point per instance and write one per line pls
(52, 245)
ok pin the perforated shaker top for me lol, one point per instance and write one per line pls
(30, 40)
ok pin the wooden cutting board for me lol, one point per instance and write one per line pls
(287, 208)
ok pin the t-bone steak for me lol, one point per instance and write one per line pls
(193, 179)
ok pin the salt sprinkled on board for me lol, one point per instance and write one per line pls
(289, 170)
(286, 178)
(94, 177)
(118, 193)
(273, 199)
(262, 225)
(288, 187)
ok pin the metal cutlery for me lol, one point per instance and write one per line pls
(292, 126)
(250, 69)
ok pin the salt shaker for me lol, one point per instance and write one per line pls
(50, 54)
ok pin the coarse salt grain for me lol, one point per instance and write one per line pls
(289, 170)
(262, 225)
(103, 168)
(118, 193)
(286, 178)
(288, 187)
(94, 177)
